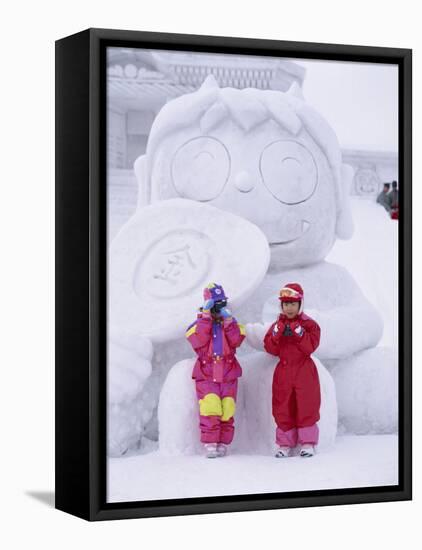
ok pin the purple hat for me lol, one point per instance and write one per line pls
(214, 291)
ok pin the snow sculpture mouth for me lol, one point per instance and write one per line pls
(304, 228)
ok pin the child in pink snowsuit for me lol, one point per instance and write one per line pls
(214, 336)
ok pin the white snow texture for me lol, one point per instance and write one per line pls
(251, 184)
(168, 252)
(129, 408)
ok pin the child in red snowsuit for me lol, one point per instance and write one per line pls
(296, 396)
(214, 336)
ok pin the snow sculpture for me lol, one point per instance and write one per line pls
(166, 254)
(270, 158)
(129, 367)
(159, 263)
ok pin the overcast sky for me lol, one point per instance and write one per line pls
(360, 100)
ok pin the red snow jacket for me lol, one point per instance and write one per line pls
(215, 342)
(294, 349)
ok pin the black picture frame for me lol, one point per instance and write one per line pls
(81, 273)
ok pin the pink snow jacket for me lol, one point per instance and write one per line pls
(215, 342)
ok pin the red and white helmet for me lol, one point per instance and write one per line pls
(292, 292)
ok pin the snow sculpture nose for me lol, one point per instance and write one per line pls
(243, 182)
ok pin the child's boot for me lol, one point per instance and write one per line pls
(211, 450)
(221, 449)
(283, 452)
(307, 450)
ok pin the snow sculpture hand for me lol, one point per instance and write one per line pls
(255, 333)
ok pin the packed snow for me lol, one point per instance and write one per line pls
(129, 407)
(354, 461)
(252, 236)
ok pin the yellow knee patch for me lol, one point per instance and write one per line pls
(210, 405)
(229, 407)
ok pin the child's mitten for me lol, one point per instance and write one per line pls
(208, 304)
(208, 300)
(225, 313)
(278, 329)
(299, 330)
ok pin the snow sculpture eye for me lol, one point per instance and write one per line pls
(200, 168)
(289, 171)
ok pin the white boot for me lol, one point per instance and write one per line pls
(221, 449)
(211, 450)
(307, 450)
(283, 452)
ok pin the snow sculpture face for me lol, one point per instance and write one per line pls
(264, 155)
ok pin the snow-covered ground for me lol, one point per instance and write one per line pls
(355, 461)
(371, 256)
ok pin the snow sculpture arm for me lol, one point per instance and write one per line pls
(128, 369)
(255, 333)
(129, 364)
(351, 324)
(347, 330)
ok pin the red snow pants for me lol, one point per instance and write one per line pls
(296, 401)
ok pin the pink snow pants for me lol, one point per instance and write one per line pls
(292, 437)
(217, 403)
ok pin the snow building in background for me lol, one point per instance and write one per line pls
(371, 170)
